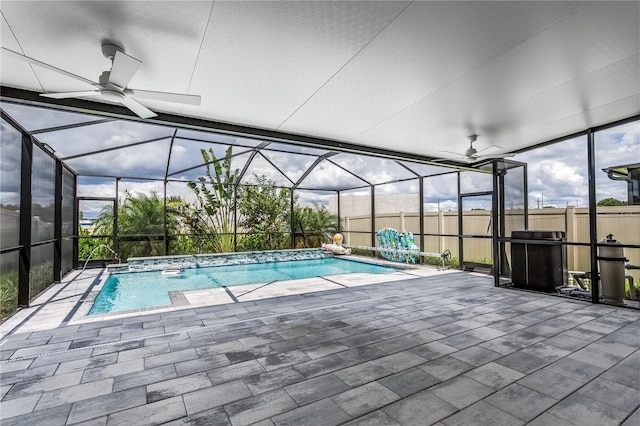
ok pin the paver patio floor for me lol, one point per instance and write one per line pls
(445, 348)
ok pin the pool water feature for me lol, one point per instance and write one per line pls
(140, 290)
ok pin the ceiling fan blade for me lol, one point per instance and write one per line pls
(47, 66)
(454, 153)
(489, 147)
(123, 69)
(139, 109)
(505, 155)
(65, 95)
(178, 98)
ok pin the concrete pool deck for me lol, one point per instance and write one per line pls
(425, 347)
(69, 302)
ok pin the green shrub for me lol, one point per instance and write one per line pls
(636, 285)
(263, 216)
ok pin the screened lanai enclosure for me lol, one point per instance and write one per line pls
(87, 190)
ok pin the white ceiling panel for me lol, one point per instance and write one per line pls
(539, 81)
(431, 45)
(413, 77)
(262, 60)
(165, 36)
(14, 70)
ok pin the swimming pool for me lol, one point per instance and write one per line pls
(139, 290)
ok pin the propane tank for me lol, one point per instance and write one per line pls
(611, 264)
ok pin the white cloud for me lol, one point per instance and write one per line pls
(310, 199)
(558, 173)
(445, 205)
(137, 188)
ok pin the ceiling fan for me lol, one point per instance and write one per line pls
(112, 84)
(472, 155)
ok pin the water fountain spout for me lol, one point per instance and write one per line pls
(115, 256)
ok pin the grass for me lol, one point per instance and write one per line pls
(8, 293)
(437, 261)
(41, 277)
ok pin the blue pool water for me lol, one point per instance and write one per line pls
(123, 292)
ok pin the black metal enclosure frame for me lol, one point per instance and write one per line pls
(107, 113)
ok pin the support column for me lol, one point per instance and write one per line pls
(460, 225)
(525, 191)
(166, 231)
(116, 236)
(421, 216)
(235, 218)
(441, 231)
(24, 265)
(339, 218)
(293, 230)
(76, 224)
(593, 235)
(497, 220)
(373, 216)
(57, 225)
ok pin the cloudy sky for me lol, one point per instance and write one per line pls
(557, 174)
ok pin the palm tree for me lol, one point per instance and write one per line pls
(141, 219)
(314, 225)
(100, 235)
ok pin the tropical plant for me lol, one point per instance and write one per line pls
(94, 242)
(263, 215)
(313, 225)
(141, 224)
(212, 219)
(93, 246)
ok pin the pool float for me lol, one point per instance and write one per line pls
(336, 247)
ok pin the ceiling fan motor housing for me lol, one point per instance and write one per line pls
(112, 95)
(109, 50)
